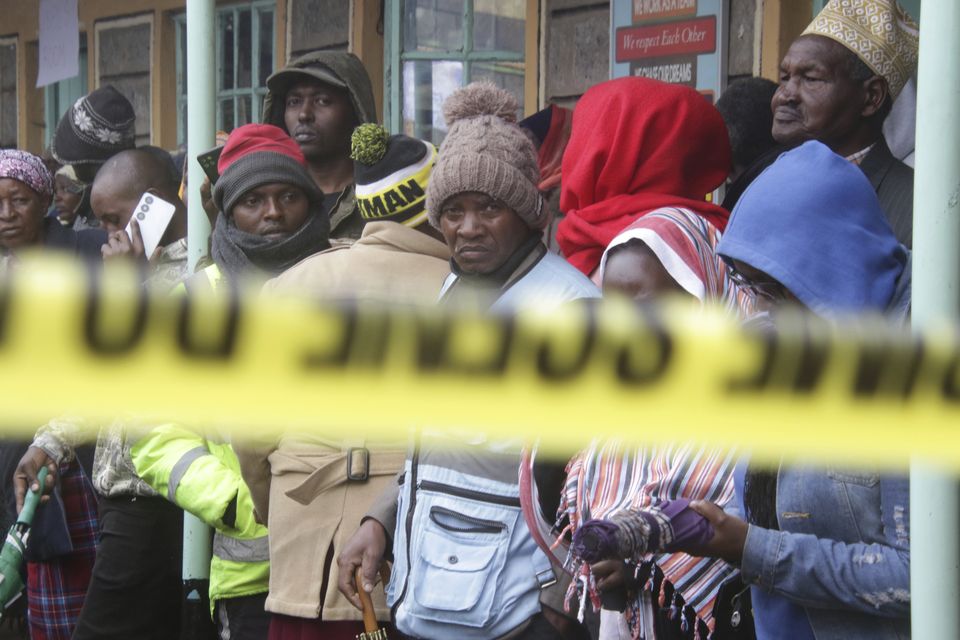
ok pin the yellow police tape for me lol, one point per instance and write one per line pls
(858, 392)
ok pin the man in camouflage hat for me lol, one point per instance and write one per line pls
(318, 99)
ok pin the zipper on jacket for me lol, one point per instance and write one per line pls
(469, 494)
(408, 525)
(446, 519)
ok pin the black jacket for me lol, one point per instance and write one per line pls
(893, 182)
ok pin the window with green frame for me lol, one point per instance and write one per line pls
(436, 46)
(244, 59)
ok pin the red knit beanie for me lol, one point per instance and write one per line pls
(257, 154)
(253, 138)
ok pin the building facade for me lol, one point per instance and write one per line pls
(416, 51)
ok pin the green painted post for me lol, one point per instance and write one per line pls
(934, 493)
(201, 126)
(201, 135)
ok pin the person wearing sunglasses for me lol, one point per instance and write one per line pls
(826, 550)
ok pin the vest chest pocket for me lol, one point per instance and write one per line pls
(459, 559)
(454, 572)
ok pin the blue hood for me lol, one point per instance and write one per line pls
(812, 221)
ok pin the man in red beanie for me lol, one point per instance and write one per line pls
(272, 214)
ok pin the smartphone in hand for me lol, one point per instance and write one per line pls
(208, 161)
(153, 215)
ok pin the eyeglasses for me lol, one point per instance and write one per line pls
(769, 289)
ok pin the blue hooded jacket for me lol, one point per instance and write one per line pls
(812, 221)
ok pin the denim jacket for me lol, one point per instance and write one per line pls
(843, 552)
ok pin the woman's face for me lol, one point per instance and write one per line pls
(274, 210)
(21, 215)
(66, 197)
(635, 271)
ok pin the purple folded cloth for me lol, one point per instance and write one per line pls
(665, 527)
(690, 529)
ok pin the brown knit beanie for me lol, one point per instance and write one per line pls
(485, 151)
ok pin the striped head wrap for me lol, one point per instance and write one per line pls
(28, 169)
(686, 245)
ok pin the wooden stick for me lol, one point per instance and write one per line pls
(369, 615)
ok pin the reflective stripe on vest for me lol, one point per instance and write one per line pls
(179, 469)
(237, 550)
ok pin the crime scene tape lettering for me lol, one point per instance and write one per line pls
(858, 391)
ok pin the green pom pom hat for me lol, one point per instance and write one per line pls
(391, 175)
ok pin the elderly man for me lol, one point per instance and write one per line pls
(837, 84)
(115, 193)
(466, 565)
(318, 99)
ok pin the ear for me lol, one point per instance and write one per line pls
(875, 92)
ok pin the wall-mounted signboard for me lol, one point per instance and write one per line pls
(679, 41)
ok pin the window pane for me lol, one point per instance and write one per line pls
(244, 49)
(244, 113)
(498, 25)
(433, 25)
(226, 32)
(507, 75)
(426, 84)
(227, 119)
(266, 47)
(182, 31)
(182, 129)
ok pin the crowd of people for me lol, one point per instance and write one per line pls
(448, 532)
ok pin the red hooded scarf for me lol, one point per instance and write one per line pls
(637, 145)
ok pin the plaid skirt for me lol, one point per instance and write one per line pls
(56, 588)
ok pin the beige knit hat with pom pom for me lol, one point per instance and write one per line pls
(485, 151)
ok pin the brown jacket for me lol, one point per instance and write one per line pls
(299, 485)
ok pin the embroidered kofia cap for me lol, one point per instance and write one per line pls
(879, 32)
(391, 175)
(97, 126)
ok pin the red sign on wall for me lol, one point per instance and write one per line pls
(667, 39)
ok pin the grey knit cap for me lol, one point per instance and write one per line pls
(485, 151)
(259, 168)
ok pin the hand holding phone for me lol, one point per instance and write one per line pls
(152, 215)
(208, 161)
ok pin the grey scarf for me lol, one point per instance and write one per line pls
(237, 252)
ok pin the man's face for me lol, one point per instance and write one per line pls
(482, 232)
(817, 99)
(320, 118)
(273, 211)
(21, 214)
(112, 203)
